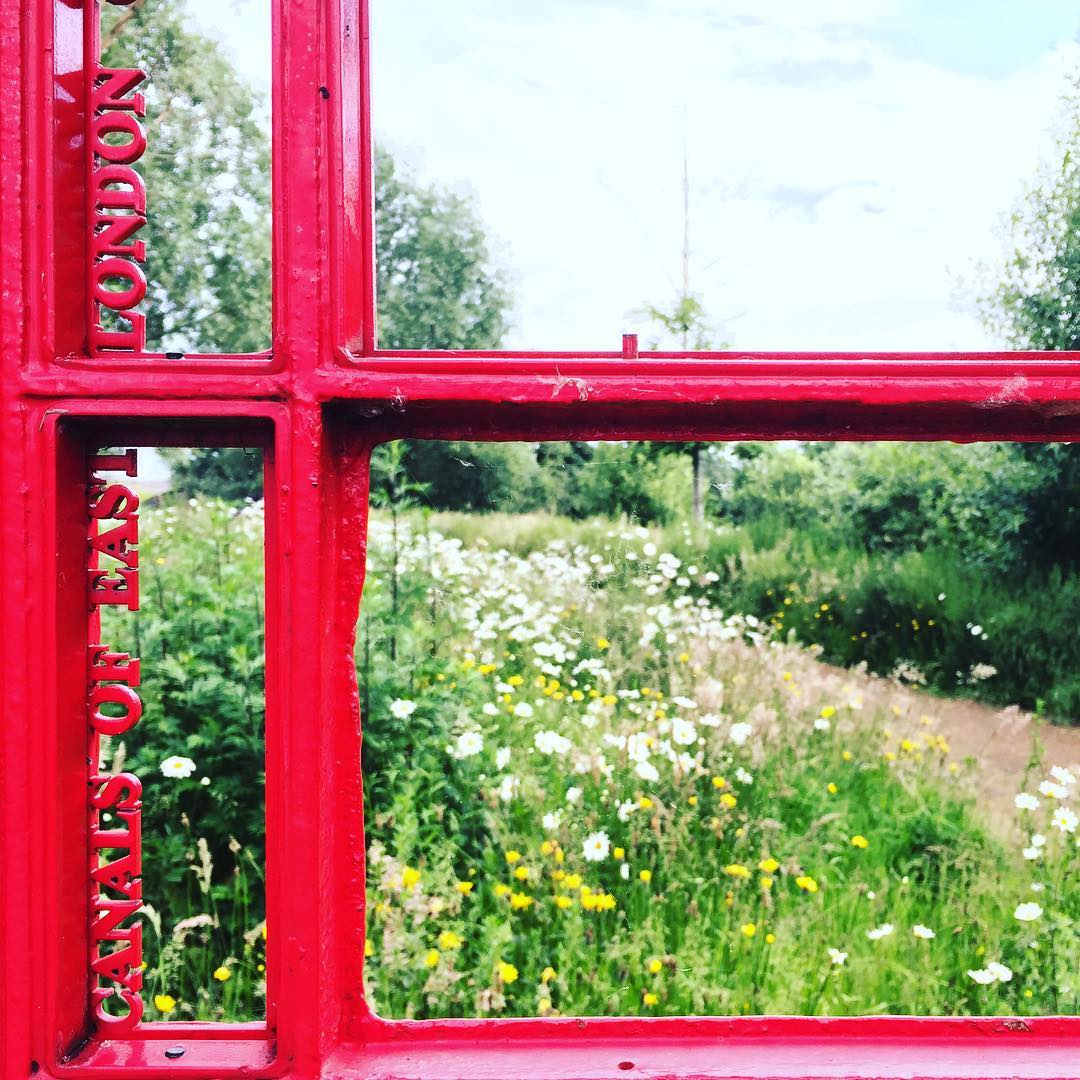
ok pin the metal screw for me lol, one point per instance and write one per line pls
(175, 1051)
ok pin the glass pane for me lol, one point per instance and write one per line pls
(206, 168)
(199, 747)
(748, 728)
(823, 176)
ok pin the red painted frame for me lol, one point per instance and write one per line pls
(317, 404)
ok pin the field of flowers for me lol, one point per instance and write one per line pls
(593, 792)
(591, 789)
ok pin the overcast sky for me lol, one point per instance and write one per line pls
(850, 160)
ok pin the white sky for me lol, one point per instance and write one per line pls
(849, 159)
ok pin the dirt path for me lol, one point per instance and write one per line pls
(1001, 741)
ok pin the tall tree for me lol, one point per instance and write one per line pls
(207, 171)
(1035, 304)
(436, 283)
(685, 322)
(437, 287)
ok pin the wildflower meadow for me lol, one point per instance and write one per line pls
(594, 786)
(620, 798)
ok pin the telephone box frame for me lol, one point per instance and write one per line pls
(317, 403)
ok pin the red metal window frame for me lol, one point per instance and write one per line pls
(317, 404)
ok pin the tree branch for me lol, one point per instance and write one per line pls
(118, 26)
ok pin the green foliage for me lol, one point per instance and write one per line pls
(435, 282)
(976, 500)
(1036, 303)
(200, 636)
(231, 473)
(474, 476)
(207, 171)
(578, 480)
(631, 480)
(770, 480)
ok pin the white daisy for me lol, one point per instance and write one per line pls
(596, 847)
(647, 771)
(683, 732)
(551, 742)
(1053, 791)
(179, 767)
(469, 744)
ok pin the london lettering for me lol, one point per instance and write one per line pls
(113, 708)
(117, 208)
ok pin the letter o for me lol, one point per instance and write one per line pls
(114, 694)
(118, 123)
(119, 268)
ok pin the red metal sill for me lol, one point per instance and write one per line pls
(985, 1048)
(208, 1050)
(743, 1048)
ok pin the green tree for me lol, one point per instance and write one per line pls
(437, 287)
(436, 283)
(233, 473)
(1035, 304)
(473, 476)
(207, 172)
